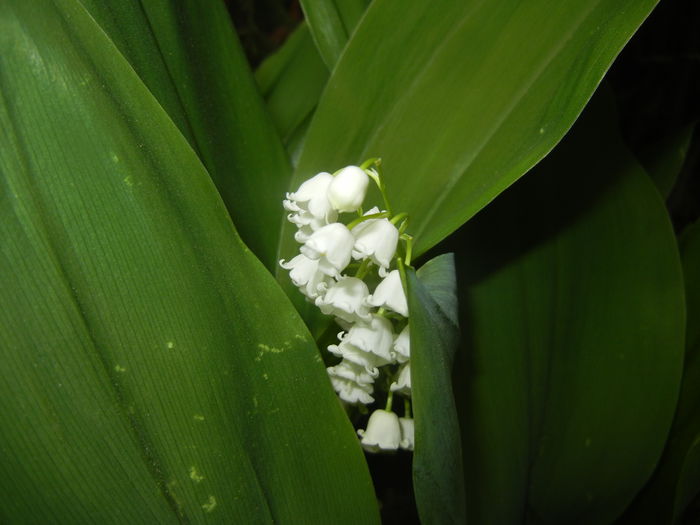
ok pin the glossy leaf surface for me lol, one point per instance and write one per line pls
(189, 57)
(150, 366)
(437, 463)
(331, 23)
(676, 479)
(572, 318)
(291, 81)
(460, 99)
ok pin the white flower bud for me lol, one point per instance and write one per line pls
(332, 246)
(376, 239)
(407, 433)
(402, 346)
(346, 299)
(389, 294)
(383, 432)
(348, 189)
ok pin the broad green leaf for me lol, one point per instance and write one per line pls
(291, 82)
(676, 479)
(572, 321)
(437, 463)
(331, 23)
(151, 367)
(189, 57)
(664, 159)
(460, 99)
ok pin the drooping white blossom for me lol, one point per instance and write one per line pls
(349, 385)
(375, 239)
(309, 206)
(366, 343)
(389, 294)
(346, 299)
(402, 385)
(358, 374)
(402, 346)
(332, 246)
(368, 340)
(306, 275)
(348, 188)
(383, 432)
(407, 433)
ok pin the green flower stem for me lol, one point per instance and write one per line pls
(409, 248)
(406, 407)
(373, 170)
(369, 162)
(364, 218)
(396, 218)
(363, 269)
(389, 400)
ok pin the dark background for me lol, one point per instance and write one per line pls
(656, 81)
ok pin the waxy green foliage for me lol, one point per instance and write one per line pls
(142, 374)
(154, 372)
(572, 318)
(461, 98)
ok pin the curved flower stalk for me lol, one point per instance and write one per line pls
(374, 346)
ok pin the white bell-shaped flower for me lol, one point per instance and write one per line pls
(351, 391)
(305, 274)
(311, 197)
(310, 206)
(346, 299)
(332, 246)
(348, 189)
(407, 433)
(402, 385)
(352, 354)
(367, 343)
(383, 432)
(353, 372)
(402, 346)
(376, 239)
(389, 294)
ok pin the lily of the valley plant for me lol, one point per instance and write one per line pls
(178, 347)
(375, 334)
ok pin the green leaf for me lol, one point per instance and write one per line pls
(150, 364)
(664, 159)
(291, 81)
(437, 463)
(572, 319)
(331, 23)
(189, 57)
(461, 99)
(676, 479)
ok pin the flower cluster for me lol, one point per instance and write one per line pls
(336, 261)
